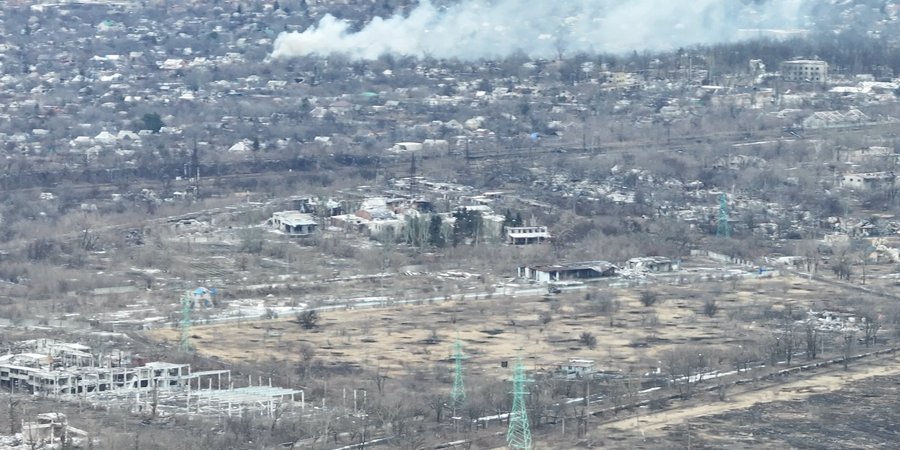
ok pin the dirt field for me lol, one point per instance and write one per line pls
(544, 330)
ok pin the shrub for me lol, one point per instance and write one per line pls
(710, 307)
(588, 340)
(649, 298)
(308, 319)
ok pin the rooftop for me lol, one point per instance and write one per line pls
(599, 266)
(294, 218)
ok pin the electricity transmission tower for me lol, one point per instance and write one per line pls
(722, 227)
(198, 297)
(518, 436)
(458, 394)
(186, 304)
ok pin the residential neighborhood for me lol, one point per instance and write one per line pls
(337, 224)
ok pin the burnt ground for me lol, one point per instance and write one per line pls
(863, 415)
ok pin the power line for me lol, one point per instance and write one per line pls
(186, 305)
(518, 435)
(722, 227)
(458, 394)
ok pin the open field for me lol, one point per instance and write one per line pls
(411, 344)
(545, 330)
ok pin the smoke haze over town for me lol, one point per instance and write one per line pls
(474, 29)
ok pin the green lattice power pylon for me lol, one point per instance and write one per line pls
(458, 394)
(185, 343)
(722, 227)
(518, 435)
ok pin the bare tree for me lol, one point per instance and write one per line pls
(871, 324)
(378, 379)
(437, 403)
(684, 367)
(744, 357)
(783, 345)
(710, 307)
(847, 344)
(813, 340)
(307, 355)
(842, 262)
(615, 391)
(604, 304)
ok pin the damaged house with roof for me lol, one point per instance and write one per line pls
(377, 217)
(576, 368)
(868, 181)
(294, 223)
(526, 235)
(651, 264)
(573, 271)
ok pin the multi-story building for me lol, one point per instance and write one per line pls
(805, 71)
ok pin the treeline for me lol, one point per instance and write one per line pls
(30, 177)
(466, 227)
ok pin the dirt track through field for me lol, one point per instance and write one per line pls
(832, 380)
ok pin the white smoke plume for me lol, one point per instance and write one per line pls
(485, 29)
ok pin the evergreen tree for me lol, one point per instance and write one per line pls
(416, 231)
(512, 221)
(152, 122)
(467, 226)
(436, 232)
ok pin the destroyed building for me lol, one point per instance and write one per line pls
(66, 372)
(573, 271)
(805, 71)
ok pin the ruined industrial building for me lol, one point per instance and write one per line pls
(71, 372)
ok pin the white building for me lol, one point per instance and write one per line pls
(526, 235)
(651, 264)
(868, 181)
(805, 71)
(406, 147)
(835, 119)
(294, 223)
(574, 271)
(576, 368)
